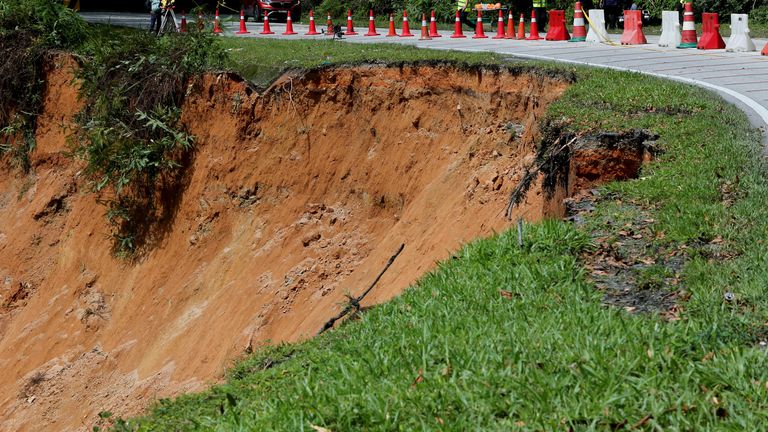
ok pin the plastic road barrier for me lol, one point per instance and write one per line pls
(633, 28)
(557, 31)
(740, 40)
(597, 32)
(710, 32)
(670, 29)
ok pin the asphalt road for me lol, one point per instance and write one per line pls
(741, 78)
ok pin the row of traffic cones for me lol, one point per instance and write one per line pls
(711, 38)
(431, 32)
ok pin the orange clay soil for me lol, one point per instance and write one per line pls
(293, 197)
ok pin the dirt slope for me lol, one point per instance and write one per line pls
(294, 196)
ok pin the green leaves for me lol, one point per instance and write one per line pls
(130, 134)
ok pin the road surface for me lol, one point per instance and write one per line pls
(741, 78)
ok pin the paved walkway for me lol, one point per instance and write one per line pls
(741, 78)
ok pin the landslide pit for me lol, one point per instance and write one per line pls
(294, 196)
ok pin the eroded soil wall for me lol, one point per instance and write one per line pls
(294, 196)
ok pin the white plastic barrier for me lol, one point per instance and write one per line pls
(740, 41)
(597, 32)
(670, 29)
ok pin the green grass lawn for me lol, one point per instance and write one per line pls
(510, 338)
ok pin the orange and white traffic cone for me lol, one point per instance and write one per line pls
(457, 33)
(406, 27)
(217, 23)
(183, 22)
(243, 30)
(350, 25)
(312, 30)
(534, 28)
(329, 26)
(289, 26)
(689, 39)
(765, 50)
(579, 27)
(433, 26)
(510, 26)
(371, 25)
(267, 30)
(500, 27)
(392, 31)
(521, 28)
(479, 33)
(424, 28)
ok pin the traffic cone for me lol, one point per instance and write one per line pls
(433, 26)
(217, 23)
(312, 30)
(266, 30)
(406, 27)
(457, 33)
(371, 25)
(500, 27)
(534, 28)
(183, 22)
(521, 28)
(479, 33)
(579, 29)
(243, 30)
(689, 28)
(329, 26)
(510, 26)
(289, 26)
(424, 28)
(350, 25)
(392, 31)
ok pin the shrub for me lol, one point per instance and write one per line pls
(28, 30)
(129, 131)
(759, 15)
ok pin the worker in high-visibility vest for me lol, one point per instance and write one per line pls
(540, 10)
(463, 8)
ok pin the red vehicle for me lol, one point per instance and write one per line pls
(276, 9)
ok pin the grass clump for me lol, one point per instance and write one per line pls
(511, 338)
(29, 29)
(129, 133)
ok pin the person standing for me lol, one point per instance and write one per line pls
(463, 8)
(155, 16)
(612, 9)
(540, 11)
